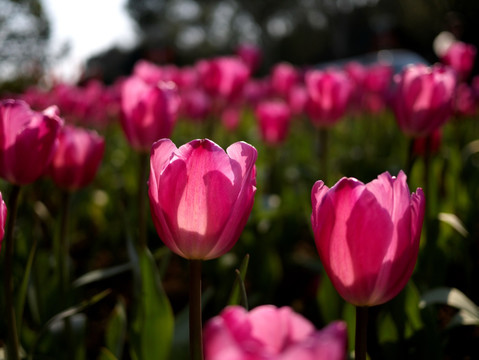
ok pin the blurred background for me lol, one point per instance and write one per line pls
(75, 41)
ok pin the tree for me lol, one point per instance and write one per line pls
(24, 35)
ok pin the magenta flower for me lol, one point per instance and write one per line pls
(201, 196)
(251, 55)
(3, 219)
(283, 77)
(148, 112)
(367, 235)
(27, 141)
(423, 98)
(196, 104)
(271, 333)
(77, 157)
(460, 56)
(274, 118)
(329, 92)
(223, 77)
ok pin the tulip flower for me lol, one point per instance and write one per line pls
(271, 333)
(200, 196)
(148, 112)
(460, 56)
(3, 219)
(423, 98)
(27, 141)
(274, 118)
(223, 77)
(329, 92)
(200, 200)
(77, 157)
(283, 77)
(251, 56)
(367, 235)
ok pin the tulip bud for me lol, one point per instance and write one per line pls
(201, 196)
(367, 235)
(77, 157)
(27, 140)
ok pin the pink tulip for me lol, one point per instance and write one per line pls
(3, 218)
(423, 98)
(329, 92)
(230, 116)
(27, 140)
(149, 72)
(274, 118)
(367, 235)
(200, 196)
(196, 104)
(376, 86)
(77, 157)
(283, 77)
(460, 56)
(251, 56)
(148, 112)
(465, 100)
(297, 98)
(271, 333)
(223, 77)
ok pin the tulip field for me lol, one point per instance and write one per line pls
(209, 212)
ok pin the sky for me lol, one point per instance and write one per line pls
(89, 27)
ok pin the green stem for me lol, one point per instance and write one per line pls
(361, 332)
(196, 326)
(13, 345)
(64, 250)
(142, 195)
(410, 157)
(64, 268)
(323, 153)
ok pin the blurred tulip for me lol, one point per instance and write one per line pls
(464, 100)
(251, 55)
(231, 116)
(297, 98)
(460, 56)
(3, 219)
(376, 87)
(329, 92)
(77, 157)
(148, 112)
(283, 77)
(149, 72)
(367, 235)
(223, 77)
(271, 333)
(27, 141)
(422, 100)
(196, 104)
(256, 90)
(200, 196)
(274, 119)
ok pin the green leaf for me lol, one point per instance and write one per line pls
(238, 293)
(153, 321)
(101, 274)
(449, 296)
(468, 311)
(66, 314)
(454, 222)
(115, 332)
(106, 354)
